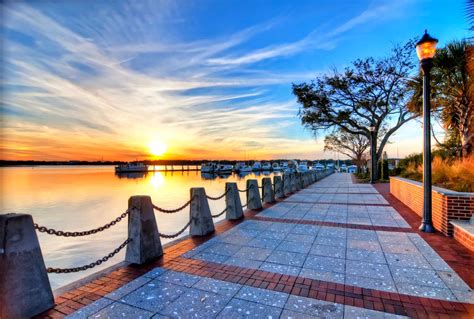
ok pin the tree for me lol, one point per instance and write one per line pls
(370, 92)
(452, 92)
(351, 145)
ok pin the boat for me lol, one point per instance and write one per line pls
(257, 166)
(276, 167)
(131, 167)
(224, 168)
(319, 167)
(242, 167)
(266, 166)
(343, 168)
(302, 167)
(284, 166)
(208, 167)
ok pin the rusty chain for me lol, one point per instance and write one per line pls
(172, 211)
(219, 197)
(91, 265)
(51, 231)
(243, 206)
(217, 215)
(177, 234)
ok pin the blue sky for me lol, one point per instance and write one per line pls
(210, 79)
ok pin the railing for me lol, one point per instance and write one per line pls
(143, 242)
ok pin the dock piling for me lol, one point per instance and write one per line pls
(232, 201)
(286, 184)
(145, 244)
(200, 214)
(24, 282)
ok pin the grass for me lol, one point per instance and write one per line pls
(457, 175)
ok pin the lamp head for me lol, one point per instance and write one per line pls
(426, 47)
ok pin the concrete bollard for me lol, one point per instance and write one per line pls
(253, 195)
(200, 214)
(293, 182)
(267, 190)
(278, 187)
(24, 285)
(297, 181)
(232, 201)
(143, 231)
(286, 184)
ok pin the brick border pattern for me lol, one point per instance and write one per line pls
(335, 203)
(400, 304)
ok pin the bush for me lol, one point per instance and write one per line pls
(456, 175)
(385, 170)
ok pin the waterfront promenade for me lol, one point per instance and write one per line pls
(335, 249)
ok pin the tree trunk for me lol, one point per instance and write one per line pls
(466, 142)
(373, 156)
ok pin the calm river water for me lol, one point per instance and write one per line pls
(74, 198)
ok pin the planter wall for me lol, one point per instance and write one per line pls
(447, 205)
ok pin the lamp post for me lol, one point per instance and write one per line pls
(373, 155)
(425, 49)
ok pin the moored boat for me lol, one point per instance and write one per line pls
(131, 167)
(257, 166)
(276, 167)
(208, 167)
(224, 168)
(266, 166)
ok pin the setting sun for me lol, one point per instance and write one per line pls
(157, 148)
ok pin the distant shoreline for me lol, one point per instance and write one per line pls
(7, 163)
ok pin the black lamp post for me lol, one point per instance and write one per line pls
(373, 155)
(425, 49)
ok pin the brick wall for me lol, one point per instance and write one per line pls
(464, 237)
(447, 205)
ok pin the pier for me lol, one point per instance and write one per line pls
(306, 245)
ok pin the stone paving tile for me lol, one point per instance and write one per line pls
(332, 232)
(300, 238)
(403, 260)
(439, 264)
(211, 257)
(400, 249)
(417, 276)
(120, 310)
(272, 235)
(223, 249)
(364, 244)
(268, 243)
(90, 309)
(286, 258)
(314, 308)
(154, 296)
(328, 251)
(424, 291)
(196, 304)
(330, 241)
(294, 247)
(366, 255)
(244, 263)
(253, 253)
(158, 271)
(280, 269)
(306, 230)
(385, 284)
(351, 312)
(288, 314)
(217, 286)
(262, 296)
(453, 281)
(238, 308)
(179, 278)
(335, 277)
(463, 296)
(369, 270)
(128, 288)
(325, 263)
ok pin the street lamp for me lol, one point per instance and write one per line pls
(373, 155)
(425, 49)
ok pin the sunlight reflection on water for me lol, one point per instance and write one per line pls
(75, 198)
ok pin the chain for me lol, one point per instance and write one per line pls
(243, 206)
(178, 233)
(243, 190)
(91, 265)
(172, 211)
(219, 197)
(51, 231)
(215, 216)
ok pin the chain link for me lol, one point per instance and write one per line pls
(91, 265)
(217, 215)
(51, 231)
(172, 211)
(177, 234)
(219, 197)
(243, 206)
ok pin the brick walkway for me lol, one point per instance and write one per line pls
(335, 250)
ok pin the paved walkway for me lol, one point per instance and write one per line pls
(333, 250)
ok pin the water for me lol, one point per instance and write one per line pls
(74, 198)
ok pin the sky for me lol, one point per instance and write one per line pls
(120, 80)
